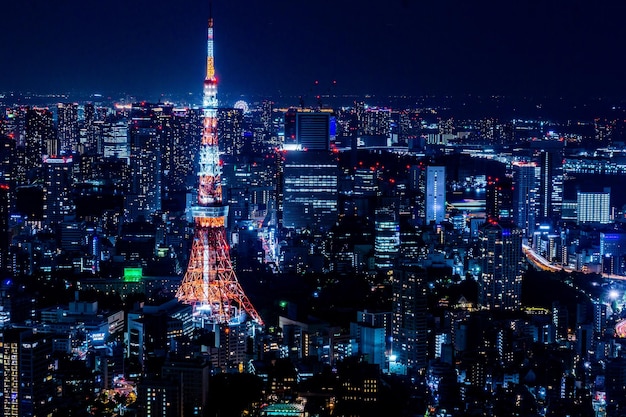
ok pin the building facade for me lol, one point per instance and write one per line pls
(435, 194)
(500, 283)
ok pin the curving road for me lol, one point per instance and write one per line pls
(542, 263)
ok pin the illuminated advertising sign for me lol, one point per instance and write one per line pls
(132, 274)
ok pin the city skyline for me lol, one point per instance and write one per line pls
(283, 48)
(378, 246)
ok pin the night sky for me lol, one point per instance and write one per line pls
(393, 47)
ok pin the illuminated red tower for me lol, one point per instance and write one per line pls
(210, 283)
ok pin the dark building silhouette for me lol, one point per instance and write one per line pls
(27, 385)
(499, 198)
(313, 131)
(500, 283)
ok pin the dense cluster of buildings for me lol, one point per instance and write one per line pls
(385, 251)
(98, 198)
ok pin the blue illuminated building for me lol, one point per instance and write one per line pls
(435, 194)
(612, 251)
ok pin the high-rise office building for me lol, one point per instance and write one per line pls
(409, 320)
(613, 252)
(110, 140)
(417, 185)
(599, 319)
(250, 187)
(500, 283)
(58, 179)
(176, 165)
(230, 354)
(289, 127)
(594, 207)
(366, 182)
(39, 140)
(89, 130)
(371, 340)
(28, 388)
(435, 194)
(310, 190)
(230, 131)
(499, 198)
(67, 127)
(551, 182)
(266, 115)
(5, 205)
(313, 131)
(180, 142)
(14, 125)
(7, 160)
(159, 398)
(524, 196)
(386, 239)
(377, 122)
(192, 378)
(615, 383)
(145, 162)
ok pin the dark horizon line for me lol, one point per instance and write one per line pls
(108, 95)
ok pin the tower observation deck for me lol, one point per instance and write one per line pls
(210, 283)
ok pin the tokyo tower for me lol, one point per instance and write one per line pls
(210, 283)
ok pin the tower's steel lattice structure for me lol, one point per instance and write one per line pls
(210, 283)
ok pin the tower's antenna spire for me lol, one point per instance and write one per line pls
(210, 13)
(210, 61)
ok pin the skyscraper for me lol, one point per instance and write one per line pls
(39, 140)
(88, 132)
(386, 239)
(313, 131)
(365, 182)
(551, 184)
(193, 384)
(266, 115)
(7, 160)
(310, 189)
(500, 283)
(58, 201)
(289, 127)
(145, 162)
(14, 125)
(435, 194)
(612, 251)
(5, 203)
(230, 131)
(111, 139)
(377, 121)
(594, 207)
(499, 198)
(210, 283)
(27, 385)
(181, 142)
(409, 320)
(524, 196)
(67, 127)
